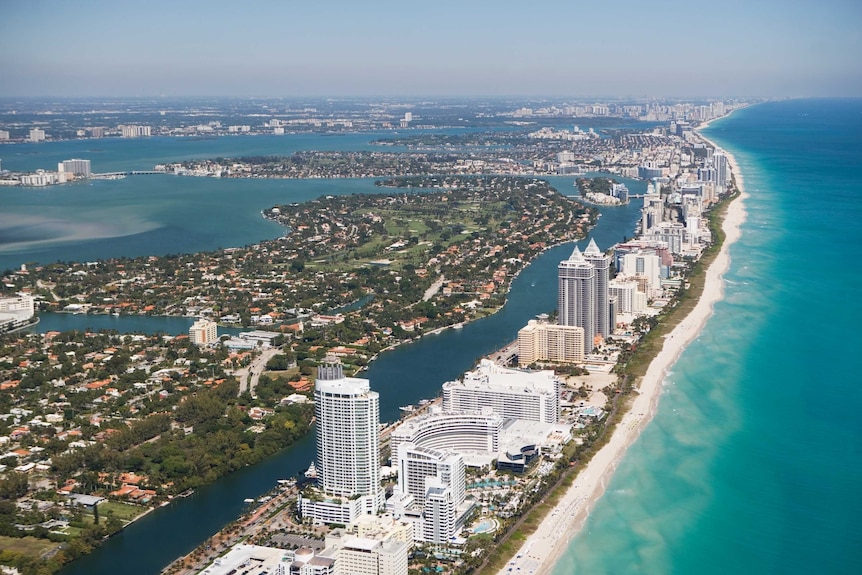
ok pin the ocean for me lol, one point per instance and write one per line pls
(753, 463)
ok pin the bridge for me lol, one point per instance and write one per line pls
(109, 175)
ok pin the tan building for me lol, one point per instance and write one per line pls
(359, 556)
(550, 342)
(203, 331)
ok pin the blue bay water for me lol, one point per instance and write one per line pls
(122, 154)
(144, 215)
(753, 463)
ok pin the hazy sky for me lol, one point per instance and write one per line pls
(436, 47)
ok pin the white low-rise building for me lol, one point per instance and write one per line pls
(511, 393)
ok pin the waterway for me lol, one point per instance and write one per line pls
(402, 376)
(151, 325)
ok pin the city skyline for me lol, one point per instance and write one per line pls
(96, 48)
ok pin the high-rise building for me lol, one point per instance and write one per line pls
(539, 341)
(348, 447)
(439, 514)
(576, 301)
(203, 331)
(362, 556)
(415, 464)
(431, 492)
(719, 162)
(602, 264)
(653, 208)
(37, 135)
(133, 131)
(77, 167)
(643, 265)
(454, 431)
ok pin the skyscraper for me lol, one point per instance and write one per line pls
(576, 302)
(418, 463)
(602, 265)
(348, 447)
(719, 161)
(435, 481)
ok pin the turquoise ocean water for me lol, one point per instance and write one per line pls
(753, 463)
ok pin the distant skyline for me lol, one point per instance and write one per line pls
(443, 48)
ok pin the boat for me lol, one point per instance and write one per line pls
(311, 472)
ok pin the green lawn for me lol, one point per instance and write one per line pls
(120, 510)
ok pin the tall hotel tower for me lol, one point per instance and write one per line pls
(602, 265)
(576, 301)
(348, 447)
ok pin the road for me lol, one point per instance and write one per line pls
(249, 376)
(433, 288)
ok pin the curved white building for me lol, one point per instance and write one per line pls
(456, 431)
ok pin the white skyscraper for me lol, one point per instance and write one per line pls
(439, 514)
(644, 265)
(719, 161)
(348, 447)
(436, 482)
(576, 302)
(602, 265)
(653, 209)
(415, 464)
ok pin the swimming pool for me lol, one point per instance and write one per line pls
(485, 526)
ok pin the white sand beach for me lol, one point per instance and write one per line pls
(543, 548)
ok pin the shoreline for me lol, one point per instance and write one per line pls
(547, 544)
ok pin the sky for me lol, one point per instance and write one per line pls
(299, 48)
